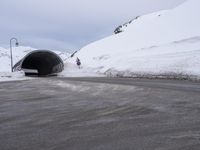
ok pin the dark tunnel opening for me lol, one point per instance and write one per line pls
(42, 63)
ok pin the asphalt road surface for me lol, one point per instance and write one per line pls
(99, 114)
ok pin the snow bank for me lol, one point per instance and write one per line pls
(8, 76)
(72, 70)
(165, 44)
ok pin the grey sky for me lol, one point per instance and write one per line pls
(69, 24)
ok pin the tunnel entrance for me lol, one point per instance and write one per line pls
(41, 63)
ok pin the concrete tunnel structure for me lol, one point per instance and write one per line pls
(40, 63)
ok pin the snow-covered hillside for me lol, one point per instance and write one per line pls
(158, 44)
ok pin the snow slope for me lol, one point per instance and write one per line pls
(72, 70)
(165, 43)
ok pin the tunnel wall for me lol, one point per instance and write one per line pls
(41, 63)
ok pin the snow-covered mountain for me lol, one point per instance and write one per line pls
(161, 43)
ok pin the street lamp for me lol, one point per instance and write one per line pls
(11, 57)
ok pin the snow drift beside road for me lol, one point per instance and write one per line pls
(165, 43)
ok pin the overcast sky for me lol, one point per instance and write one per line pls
(69, 24)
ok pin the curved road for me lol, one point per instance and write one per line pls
(99, 114)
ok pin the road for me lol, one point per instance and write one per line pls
(99, 114)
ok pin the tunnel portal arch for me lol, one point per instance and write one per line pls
(41, 63)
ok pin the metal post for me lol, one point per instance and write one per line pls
(11, 56)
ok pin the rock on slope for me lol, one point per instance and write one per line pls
(165, 43)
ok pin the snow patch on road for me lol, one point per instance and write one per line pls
(8, 76)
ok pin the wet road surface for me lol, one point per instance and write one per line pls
(99, 114)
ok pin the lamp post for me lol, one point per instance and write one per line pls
(11, 57)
